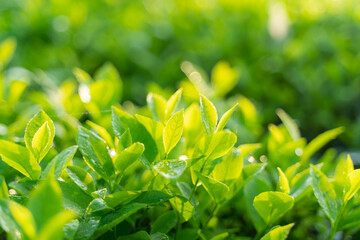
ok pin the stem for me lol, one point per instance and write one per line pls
(337, 221)
(211, 215)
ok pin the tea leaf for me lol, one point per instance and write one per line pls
(324, 192)
(208, 114)
(352, 184)
(24, 218)
(217, 190)
(171, 169)
(225, 118)
(283, 182)
(278, 233)
(3, 188)
(164, 223)
(39, 135)
(289, 123)
(157, 105)
(319, 142)
(173, 131)
(81, 178)
(113, 219)
(20, 159)
(95, 153)
(272, 205)
(45, 202)
(59, 162)
(128, 156)
(172, 103)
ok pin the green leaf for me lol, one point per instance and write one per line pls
(290, 124)
(98, 205)
(121, 198)
(352, 184)
(184, 208)
(7, 49)
(102, 133)
(3, 188)
(8, 223)
(141, 235)
(230, 168)
(155, 129)
(81, 178)
(95, 153)
(164, 223)
(45, 202)
(113, 219)
(319, 142)
(220, 144)
(225, 118)
(272, 205)
(128, 156)
(57, 165)
(173, 131)
(74, 198)
(20, 159)
(125, 140)
(217, 190)
(352, 219)
(39, 135)
(109, 72)
(324, 192)
(221, 236)
(252, 188)
(122, 121)
(87, 227)
(343, 169)
(53, 229)
(172, 103)
(208, 114)
(283, 182)
(24, 218)
(171, 169)
(159, 236)
(152, 197)
(278, 233)
(157, 105)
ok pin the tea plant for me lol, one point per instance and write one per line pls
(174, 172)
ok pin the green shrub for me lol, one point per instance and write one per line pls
(172, 170)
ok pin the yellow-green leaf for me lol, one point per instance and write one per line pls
(39, 133)
(128, 156)
(157, 105)
(172, 103)
(217, 190)
(272, 205)
(24, 218)
(278, 233)
(7, 48)
(319, 142)
(352, 184)
(283, 182)
(225, 118)
(289, 123)
(208, 114)
(173, 131)
(20, 159)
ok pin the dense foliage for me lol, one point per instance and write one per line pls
(297, 55)
(182, 167)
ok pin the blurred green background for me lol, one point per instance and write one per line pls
(302, 56)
